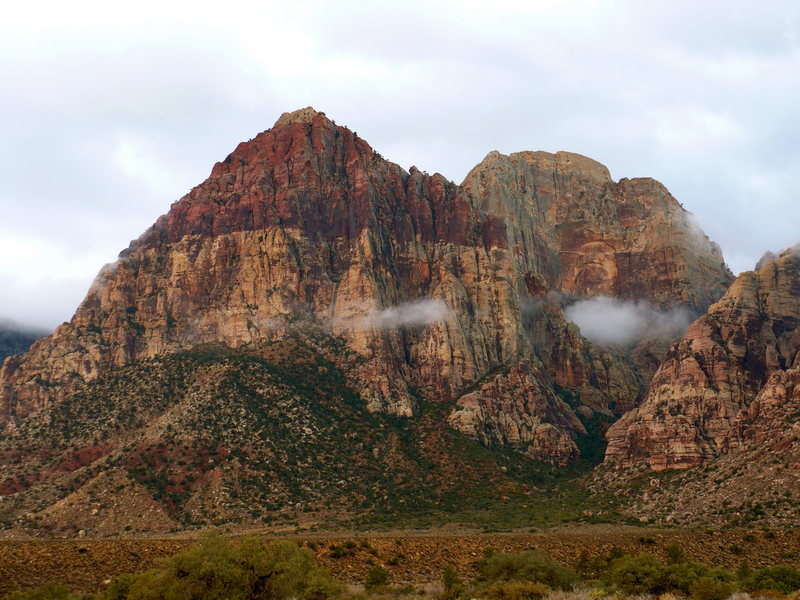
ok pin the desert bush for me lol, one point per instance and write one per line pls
(120, 586)
(532, 565)
(781, 578)
(347, 549)
(216, 570)
(514, 590)
(709, 588)
(642, 574)
(645, 539)
(452, 585)
(680, 577)
(645, 574)
(377, 576)
(675, 555)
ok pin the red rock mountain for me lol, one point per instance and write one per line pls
(441, 292)
(730, 383)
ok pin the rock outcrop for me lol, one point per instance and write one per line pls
(729, 380)
(307, 228)
(514, 408)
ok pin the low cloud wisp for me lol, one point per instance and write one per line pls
(407, 314)
(418, 312)
(609, 322)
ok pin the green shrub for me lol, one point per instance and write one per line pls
(452, 585)
(377, 576)
(645, 574)
(744, 572)
(647, 540)
(532, 565)
(343, 550)
(681, 576)
(120, 586)
(781, 578)
(514, 590)
(215, 570)
(708, 588)
(642, 574)
(675, 555)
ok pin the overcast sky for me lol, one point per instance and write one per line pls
(110, 114)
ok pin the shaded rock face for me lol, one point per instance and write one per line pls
(604, 380)
(734, 367)
(306, 226)
(514, 408)
(774, 414)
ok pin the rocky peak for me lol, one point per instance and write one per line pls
(765, 258)
(581, 166)
(769, 256)
(301, 115)
(586, 235)
(576, 165)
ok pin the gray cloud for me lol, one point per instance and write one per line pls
(610, 322)
(114, 114)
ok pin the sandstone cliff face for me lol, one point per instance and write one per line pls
(731, 368)
(306, 227)
(774, 414)
(590, 236)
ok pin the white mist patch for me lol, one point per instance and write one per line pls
(609, 322)
(418, 312)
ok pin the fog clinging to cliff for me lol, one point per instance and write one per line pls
(610, 322)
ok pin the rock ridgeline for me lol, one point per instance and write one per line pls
(430, 284)
(731, 382)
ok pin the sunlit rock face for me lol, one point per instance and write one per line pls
(728, 380)
(305, 229)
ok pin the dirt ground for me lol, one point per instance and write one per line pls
(417, 558)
